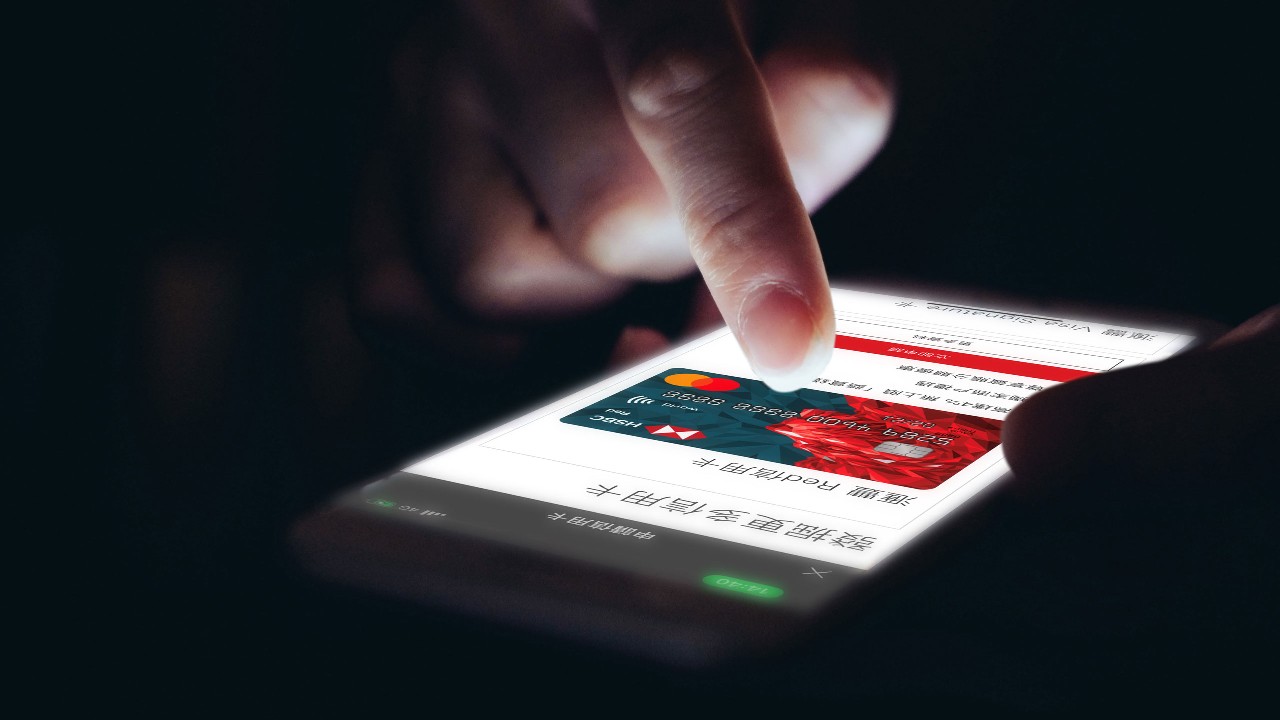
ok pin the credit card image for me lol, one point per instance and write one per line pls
(848, 435)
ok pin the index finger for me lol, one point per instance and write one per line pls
(694, 100)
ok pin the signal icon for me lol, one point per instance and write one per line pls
(640, 400)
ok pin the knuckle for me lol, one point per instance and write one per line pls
(670, 79)
(746, 236)
(732, 225)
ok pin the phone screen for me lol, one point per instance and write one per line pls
(689, 469)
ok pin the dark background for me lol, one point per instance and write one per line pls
(184, 380)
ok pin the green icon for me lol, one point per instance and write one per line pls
(746, 587)
(384, 503)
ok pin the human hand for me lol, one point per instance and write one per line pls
(544, 157)
(1131, 560)
(1137, 534)
(1194, 417)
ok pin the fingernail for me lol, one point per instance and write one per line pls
(777, 331)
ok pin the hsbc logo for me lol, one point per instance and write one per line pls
(672, 431)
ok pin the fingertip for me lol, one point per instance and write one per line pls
(1054, 434)
(1126, 424)
(786, 340)
(814, 361)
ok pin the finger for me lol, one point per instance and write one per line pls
(694, 99)
(1193, 416)
(558, 117)
(400, 315)
(391, 300)
(1261, 325)
(505, 265)
(383, 283)
(637, 343)
(479, 231)
(832, 112)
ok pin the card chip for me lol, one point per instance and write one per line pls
(903, 449)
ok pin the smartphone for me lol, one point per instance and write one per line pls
(683, 510)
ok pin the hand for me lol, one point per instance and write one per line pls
(1196, 418)
(543, 157)
(1138, 535)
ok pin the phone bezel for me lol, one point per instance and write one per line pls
(675, 623)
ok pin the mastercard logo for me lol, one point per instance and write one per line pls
(702, 382)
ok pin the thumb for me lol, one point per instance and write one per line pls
(1199, 415)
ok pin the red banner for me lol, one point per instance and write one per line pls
(947, 356)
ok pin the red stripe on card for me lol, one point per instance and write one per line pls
(943, 356)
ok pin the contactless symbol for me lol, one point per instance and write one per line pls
(673, 431)
(640, 400)
(702, 382)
